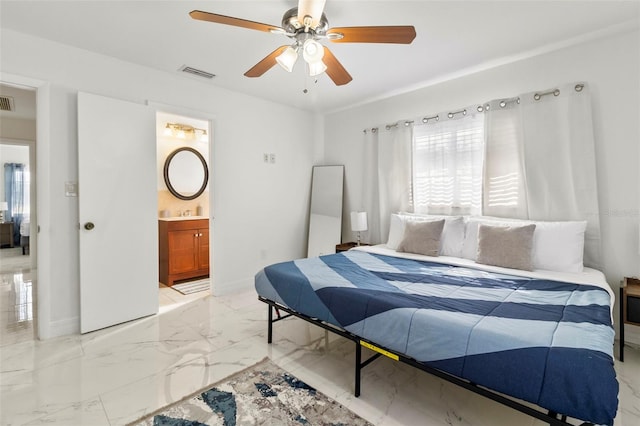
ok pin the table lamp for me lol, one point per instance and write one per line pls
(358, 223)
(4, 206)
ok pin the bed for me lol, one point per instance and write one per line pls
(540, 336)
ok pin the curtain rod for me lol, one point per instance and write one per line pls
(481, 108)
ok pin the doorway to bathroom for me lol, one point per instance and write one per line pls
(184, 217)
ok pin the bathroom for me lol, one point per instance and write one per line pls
(183, 175)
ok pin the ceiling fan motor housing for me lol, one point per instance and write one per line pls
(293, 26)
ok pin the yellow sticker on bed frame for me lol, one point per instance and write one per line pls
(379, 350)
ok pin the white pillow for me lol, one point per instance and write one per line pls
(452, 236)
(396, 231)
(557, 246)
(451, 239)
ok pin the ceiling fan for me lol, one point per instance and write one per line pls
(305, 25)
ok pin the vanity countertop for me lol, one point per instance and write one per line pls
(171, 219)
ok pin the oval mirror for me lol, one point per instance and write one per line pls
(186, 173)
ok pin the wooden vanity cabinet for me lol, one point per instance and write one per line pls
(184, 249)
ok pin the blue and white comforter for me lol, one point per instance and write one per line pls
(543, 341)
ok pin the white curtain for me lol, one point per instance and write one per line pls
(541, 160)
(447, 163)
(504, 185)
(387, 177)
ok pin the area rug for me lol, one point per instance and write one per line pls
(192, 286)
(263, 394)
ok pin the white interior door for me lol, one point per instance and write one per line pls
(118, 211)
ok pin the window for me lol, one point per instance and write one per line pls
(447, 165)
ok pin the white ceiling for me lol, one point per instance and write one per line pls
(451, 36)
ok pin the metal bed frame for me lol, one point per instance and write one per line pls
(550, 417)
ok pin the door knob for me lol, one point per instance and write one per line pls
(89, 226)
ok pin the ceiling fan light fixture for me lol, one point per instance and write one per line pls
(316, 68)
(312, 51)
(288, 58)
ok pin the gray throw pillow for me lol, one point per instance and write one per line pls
(422, 237)
(506, 246)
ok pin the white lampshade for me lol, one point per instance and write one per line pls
(4, 206)
(312, 51)
(358, 221)
(317, 68)
(288, 58)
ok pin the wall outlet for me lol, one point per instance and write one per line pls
(272, 158)
(265, 157)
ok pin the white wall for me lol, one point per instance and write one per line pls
(260, 209)
(611, 67)
(18, 128)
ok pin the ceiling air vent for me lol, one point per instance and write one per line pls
(6, 103)
(197, 72)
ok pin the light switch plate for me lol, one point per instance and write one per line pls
(71, 189)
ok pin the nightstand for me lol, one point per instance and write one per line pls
(6, 234)
(346, 246)
(629, 307)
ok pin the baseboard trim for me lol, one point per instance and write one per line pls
(63, 327)
(232, 287)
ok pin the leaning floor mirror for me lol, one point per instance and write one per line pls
(325, 216)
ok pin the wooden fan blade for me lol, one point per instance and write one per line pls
(229, 20)
(398, 34)
(266, 64)
(335, 70)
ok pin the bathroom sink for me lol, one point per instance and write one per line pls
(183, 218)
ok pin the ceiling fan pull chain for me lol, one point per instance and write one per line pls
(305, 76)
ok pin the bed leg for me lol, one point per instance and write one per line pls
(358, 367)
(270, 326)
(621, 303)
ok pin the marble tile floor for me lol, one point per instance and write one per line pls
(117, 375)
(12, 260)
(171, 299)
(17, 301)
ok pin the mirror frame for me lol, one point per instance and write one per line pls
(205, 181)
